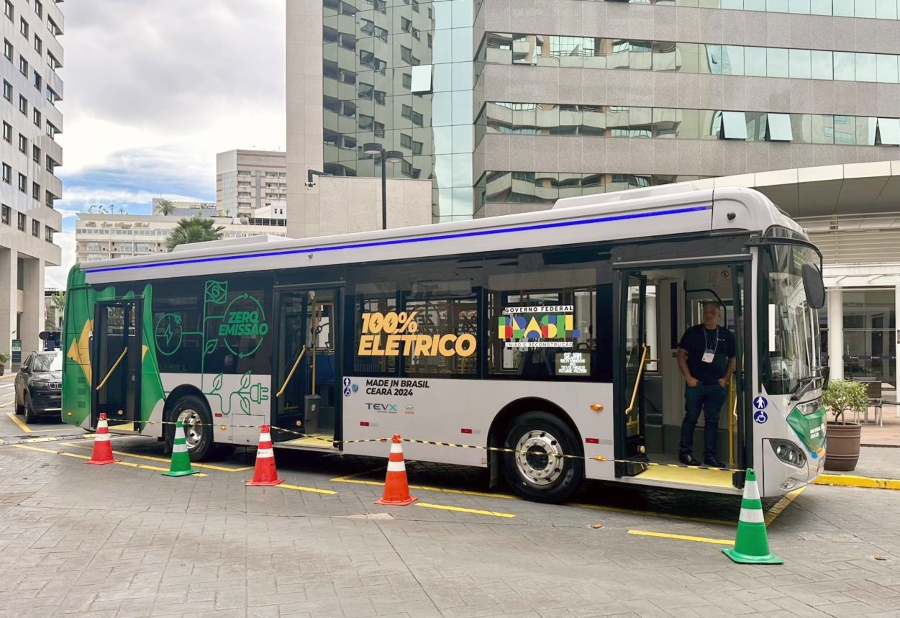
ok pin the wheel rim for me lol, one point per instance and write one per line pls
(539, 457)
(193, 427)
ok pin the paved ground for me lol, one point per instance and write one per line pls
(123, 540)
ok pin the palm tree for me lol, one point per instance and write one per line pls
(165, 207)
(192, 230)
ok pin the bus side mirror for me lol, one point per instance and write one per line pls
(814, 286)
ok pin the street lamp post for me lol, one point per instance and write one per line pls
(387, 156)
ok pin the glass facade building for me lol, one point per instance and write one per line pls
(506, 107)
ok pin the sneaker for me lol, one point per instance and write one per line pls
(712, 462)
(688, 460)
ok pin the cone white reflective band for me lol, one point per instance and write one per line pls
(102, 425)
(264, 452)
(179, 448)
(101, 437)
(752, 516)
(396, 448)
(751, 492)
(179, 433)
(265, 437)
(396, 466)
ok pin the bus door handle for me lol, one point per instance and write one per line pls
(637, 380)
(291, 374)
(114, 367)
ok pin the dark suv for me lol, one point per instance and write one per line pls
(39, 386)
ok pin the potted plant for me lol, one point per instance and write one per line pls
(4, 358)
(843, 396)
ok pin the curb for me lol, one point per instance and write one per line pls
(848, 480)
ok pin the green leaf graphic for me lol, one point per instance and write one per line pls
(245, 405)
(217, 383)
(245, 380)
(210, 346)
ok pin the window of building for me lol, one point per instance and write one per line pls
(7, 91)
(50, 199)
(21, 223)
(35, 228)
(889, 131)
(23, 143)
(51, 165)
(406, 141)
(23, 27)
(38, 8)
(53, 62)
(6, 212)
(51, 130)
(7, 174)
(23, 104)
(36, 115)
(38, 45)
(8, 49)
(48, 233)
(38, 82)
(7, 131)
(35, 190)
(23, 65)
(9, 10)
(379, 129)
(23, 183)
(407, 81)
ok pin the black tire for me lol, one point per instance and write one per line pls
(20, 409)
(30, 416)
(537, 470)
(198, 429)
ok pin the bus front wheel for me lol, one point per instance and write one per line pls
(197, 421)
(543, 463)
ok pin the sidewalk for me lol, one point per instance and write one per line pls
(879, 453)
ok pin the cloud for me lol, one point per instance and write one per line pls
(155, 89)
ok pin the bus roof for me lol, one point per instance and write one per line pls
(638, 214)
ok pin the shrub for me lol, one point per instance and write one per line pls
(845, 396)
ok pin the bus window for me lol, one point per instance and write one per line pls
(446, 318)
(369, 300)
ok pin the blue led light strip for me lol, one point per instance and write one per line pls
(407, 241)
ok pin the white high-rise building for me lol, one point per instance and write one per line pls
(250, 179)
(33, 54)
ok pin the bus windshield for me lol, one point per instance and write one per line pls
(789, 335)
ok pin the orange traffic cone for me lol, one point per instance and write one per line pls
(264, 473)
(396, 488)
(102, 453)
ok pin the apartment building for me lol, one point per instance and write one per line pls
(29, 155)
(250, 179)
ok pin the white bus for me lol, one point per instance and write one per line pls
(548, 340)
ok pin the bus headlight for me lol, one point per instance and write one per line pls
(789, 453)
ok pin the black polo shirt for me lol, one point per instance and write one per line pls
(696, 341)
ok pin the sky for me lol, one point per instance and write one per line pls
(153, 90)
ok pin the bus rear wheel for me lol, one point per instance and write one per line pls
(543, 464)
(197, 421)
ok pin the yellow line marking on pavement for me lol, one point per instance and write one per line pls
(77, 456)
(782, 504)
(162, 459)
(480, 494)
(681, 537)
(312, 489)
(613, 509)
(21, 425)
(848, 480)
(462, 510)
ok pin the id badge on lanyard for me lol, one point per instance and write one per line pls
(710, 354)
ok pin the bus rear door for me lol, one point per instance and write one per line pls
(307, 366)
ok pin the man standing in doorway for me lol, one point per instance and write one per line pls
(706, 358)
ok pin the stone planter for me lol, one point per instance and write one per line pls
(842, 450)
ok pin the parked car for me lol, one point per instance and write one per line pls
(39, 386)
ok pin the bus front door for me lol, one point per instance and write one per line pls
(307, 366)
(116, 358)
(635, 355)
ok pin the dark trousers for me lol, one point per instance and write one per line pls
(709, 399)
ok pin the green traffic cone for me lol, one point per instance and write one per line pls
(181, 460)
(751, 545)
